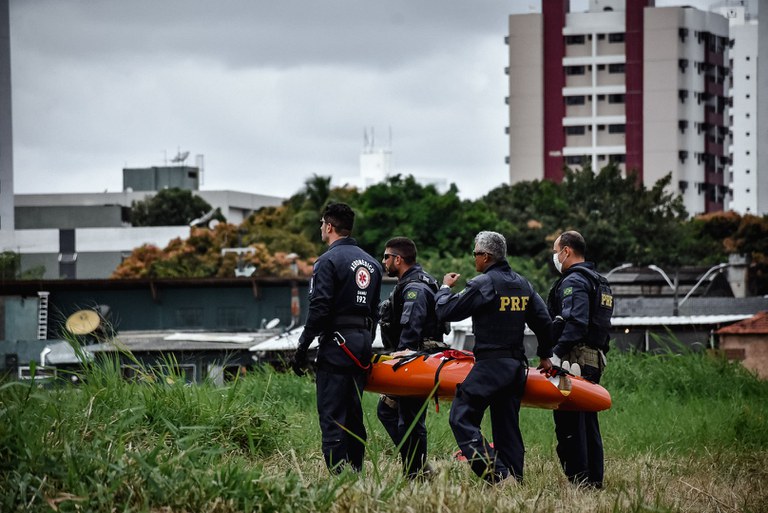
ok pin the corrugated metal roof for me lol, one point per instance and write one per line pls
(757, 324)
(677, 320)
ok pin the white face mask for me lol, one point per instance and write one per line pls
(557, 262)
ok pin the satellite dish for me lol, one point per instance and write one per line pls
(83, 322)
(273, 323)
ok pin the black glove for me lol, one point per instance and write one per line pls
(299, 361)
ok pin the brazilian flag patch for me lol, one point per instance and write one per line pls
(568, 291)
(411, 294)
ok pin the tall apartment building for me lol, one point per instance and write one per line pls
(622, 82)
(748, 189)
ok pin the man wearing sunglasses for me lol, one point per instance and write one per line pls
(501, 303)
(411, 326)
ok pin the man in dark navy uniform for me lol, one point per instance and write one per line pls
(500, 302)
(411, 327)
(582, 304)
(343, 301)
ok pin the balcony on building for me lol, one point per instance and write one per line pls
(712, 176)
(712, 117)
(713, 147)
(712, 205)
(712, 87)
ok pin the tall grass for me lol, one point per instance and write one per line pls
(685, 433)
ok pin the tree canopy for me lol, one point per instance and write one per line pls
(621, 220)
(170, 207)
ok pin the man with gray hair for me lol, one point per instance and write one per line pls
(500, 302)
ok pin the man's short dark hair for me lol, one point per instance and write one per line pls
(341, 217)
(575, 241)
(404, 247)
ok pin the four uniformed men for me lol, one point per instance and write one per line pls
(343, 311)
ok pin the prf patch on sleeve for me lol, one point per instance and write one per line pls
(567, 291)
(411, 295)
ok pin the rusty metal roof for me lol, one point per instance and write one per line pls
(755, 325)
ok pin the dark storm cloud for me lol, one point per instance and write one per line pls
(269, 91)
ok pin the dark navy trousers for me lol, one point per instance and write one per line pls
(341, 418)
(579, 443)
(397, 421)
(497, 384)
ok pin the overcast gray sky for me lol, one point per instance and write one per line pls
(269, 91)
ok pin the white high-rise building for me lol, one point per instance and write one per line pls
(745, 174)
(625, 82)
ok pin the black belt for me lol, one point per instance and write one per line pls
(490, 354)
(351, 321)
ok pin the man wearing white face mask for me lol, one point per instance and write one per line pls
(582, 300)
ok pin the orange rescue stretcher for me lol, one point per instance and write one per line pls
(417, 375)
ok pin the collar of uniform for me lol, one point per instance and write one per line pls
(588, 265)
(413, 270)
(344, 241)
(501, 264)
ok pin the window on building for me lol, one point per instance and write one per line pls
(575, 70)
(574, 160)
(600, 67)
(575, 100)
(230, 317)
(682, 94)
(616, 129)
(616, 68)
(682, 64)
(617, 37)
(574, 40)
(615, 98)
(601, 97)
(575, 130)
(682, 125)
(617, 158)
(747, 171)
(600, 37)
(189, 317)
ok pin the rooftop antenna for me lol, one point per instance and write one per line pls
(180, 157)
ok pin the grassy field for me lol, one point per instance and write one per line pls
(686, 433)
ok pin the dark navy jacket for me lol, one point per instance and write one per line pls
(500, 302)
(570, 299)
(418, 320)
(346, 283)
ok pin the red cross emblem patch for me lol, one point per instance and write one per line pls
(362, 277)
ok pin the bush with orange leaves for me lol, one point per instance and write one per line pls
(201, 256)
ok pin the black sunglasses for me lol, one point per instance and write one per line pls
(478, 253)
(387, 255)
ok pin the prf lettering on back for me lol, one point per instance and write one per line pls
(513, 303)
(606, 300)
